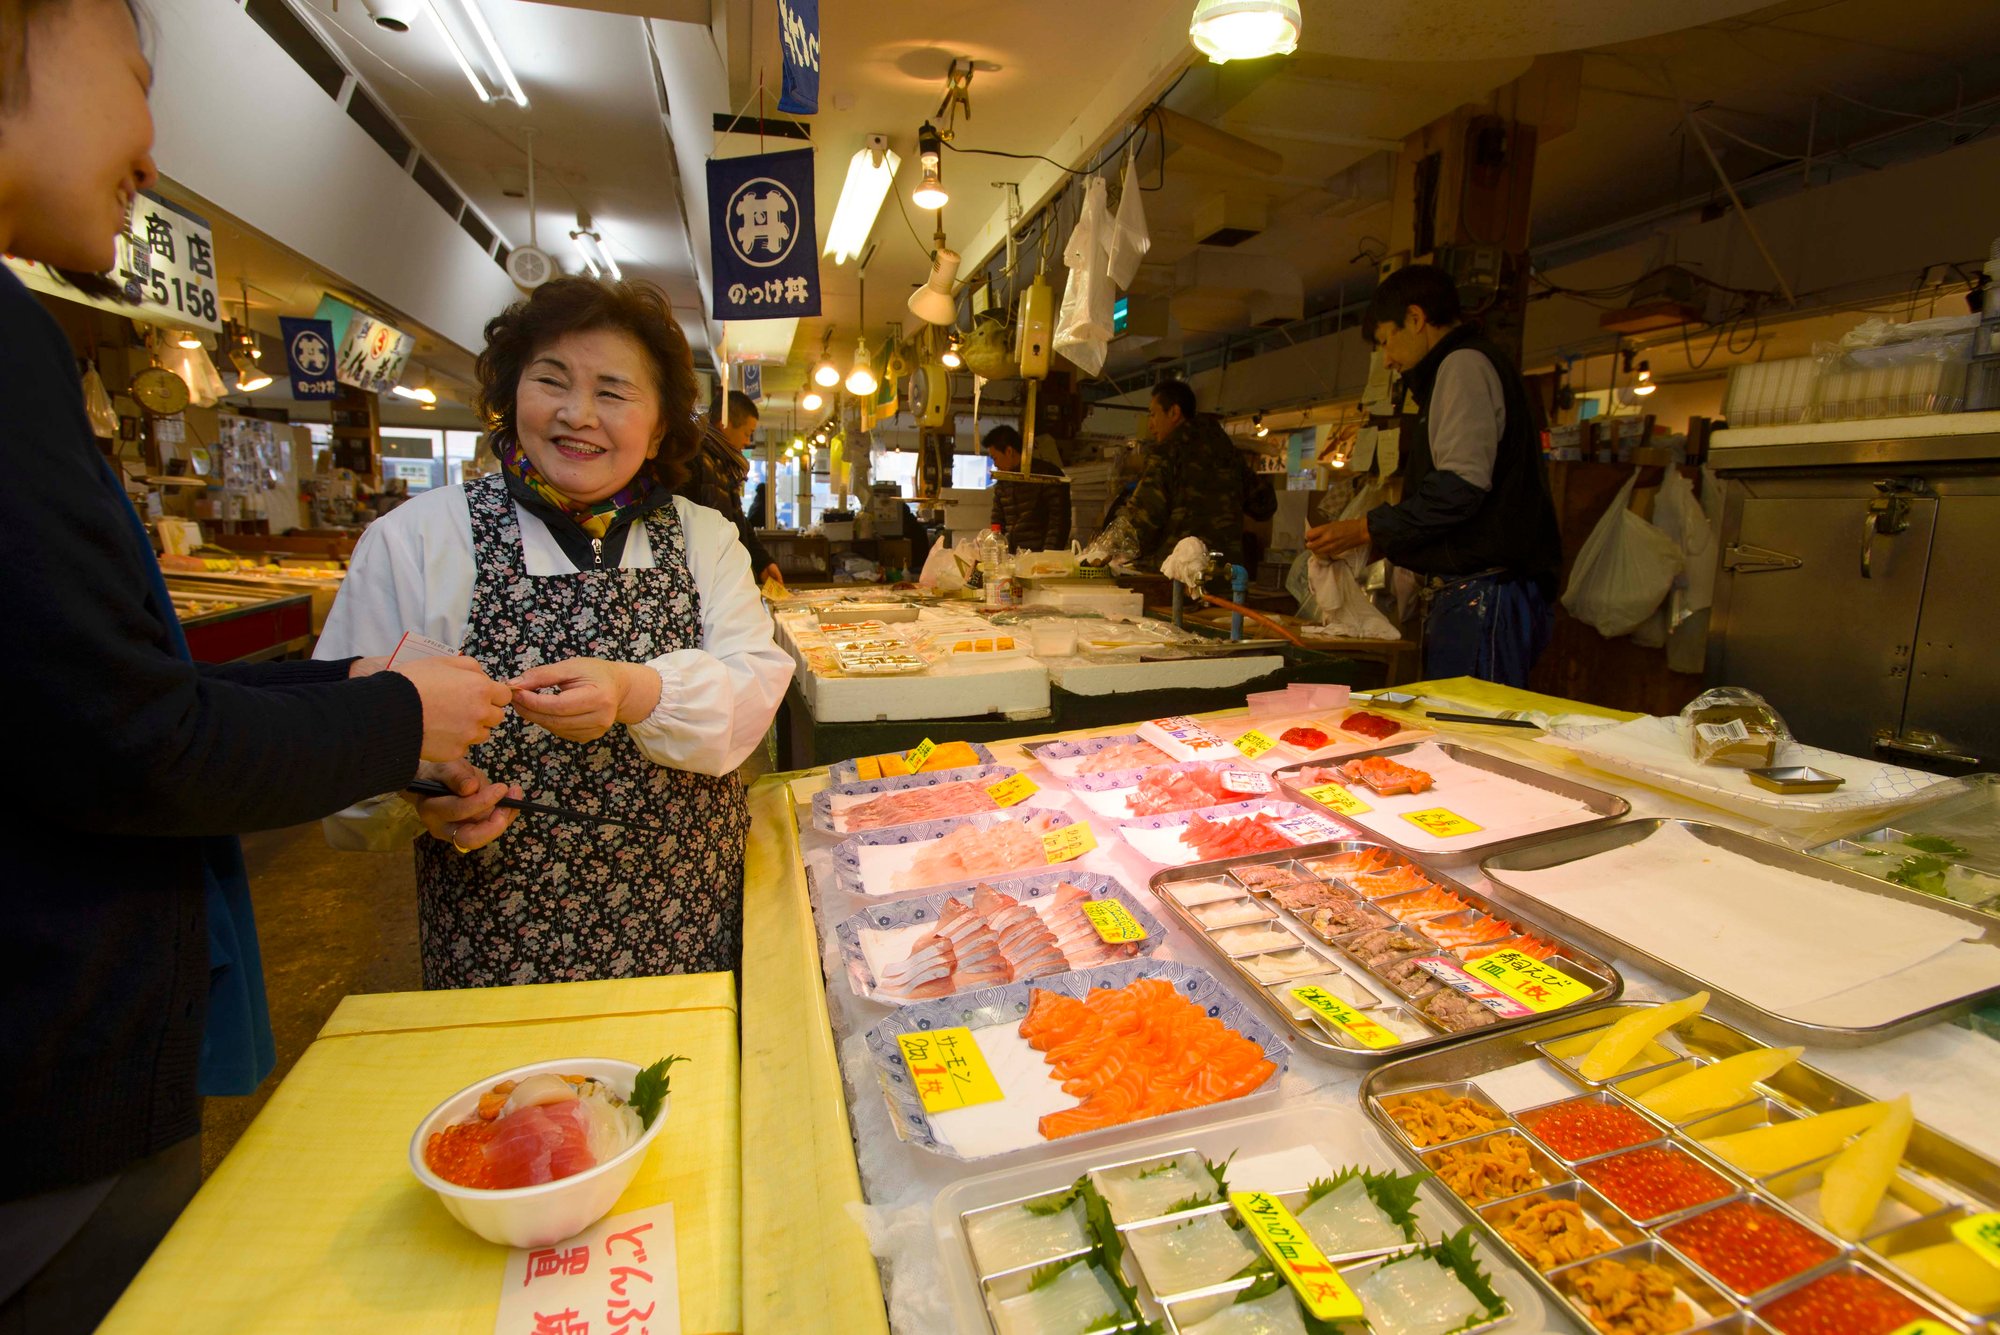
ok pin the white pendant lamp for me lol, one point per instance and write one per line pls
(933, 302)
(861, 382)
(1226, 30)
(811, 401)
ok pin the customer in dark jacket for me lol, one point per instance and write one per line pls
(718, 472)
(1190, 483)
(129, 974)
(1034, 516)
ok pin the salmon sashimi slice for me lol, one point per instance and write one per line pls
(1386, 776)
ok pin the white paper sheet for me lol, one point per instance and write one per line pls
(1775, 938)
(1029, 1092)
(621, 1272)
(1503, 808)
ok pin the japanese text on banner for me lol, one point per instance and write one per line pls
(762, 236)
(1319, 1286)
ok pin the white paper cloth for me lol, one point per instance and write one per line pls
(1503, 808)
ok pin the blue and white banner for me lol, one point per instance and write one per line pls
(753, 382)
(798, 31)
(309, 357)
(762, 236)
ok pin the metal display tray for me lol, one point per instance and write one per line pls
(1606, 984)
(1607, 806)
(1684, 974)
(1938, 1182)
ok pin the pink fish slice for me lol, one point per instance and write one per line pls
(928, 968)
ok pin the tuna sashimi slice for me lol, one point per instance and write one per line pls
(539, 1144)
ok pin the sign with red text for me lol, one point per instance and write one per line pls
(619, 1277)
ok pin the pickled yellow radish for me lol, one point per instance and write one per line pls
(1718, 1085)
(1772, 1149)
(1628, 1038)
(1856, 1181)
(1956, 1271)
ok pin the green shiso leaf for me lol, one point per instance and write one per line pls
(1051, 1205)
(1395, 1193)
(1934, 843)
(1045, 1275)
(649, 1089)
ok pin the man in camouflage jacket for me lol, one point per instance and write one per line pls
(1191, 484)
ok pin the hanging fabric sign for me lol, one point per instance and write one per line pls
(753, 381)
(309, 357)
(798, 26)
(763, 237)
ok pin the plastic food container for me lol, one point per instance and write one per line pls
(550, 1211)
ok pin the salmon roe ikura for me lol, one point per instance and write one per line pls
(1647, 1183)
(1583, 1127)
(1748, 1245)
(1848, 1302)
(458, 1154)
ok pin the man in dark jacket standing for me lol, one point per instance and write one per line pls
(1191, 483)
(1476, 520)
(1033, 515)
(717, 476)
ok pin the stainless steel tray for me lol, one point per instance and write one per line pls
(1685, 974)
(1608, 806)
(1940, 1179)
(1606, 984)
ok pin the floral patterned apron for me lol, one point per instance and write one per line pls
(557, 901)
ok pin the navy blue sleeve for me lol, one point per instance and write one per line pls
(1441, 502)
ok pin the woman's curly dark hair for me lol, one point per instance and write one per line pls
(573, 305)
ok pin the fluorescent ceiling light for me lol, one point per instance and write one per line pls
(421, 393)
(497, 79)
(1225, 30)
(869, 174)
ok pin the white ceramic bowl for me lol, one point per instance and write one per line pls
(551, 1211)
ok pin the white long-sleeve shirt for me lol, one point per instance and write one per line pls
(413, 570)
(1467, 418)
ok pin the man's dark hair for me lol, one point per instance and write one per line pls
(1002, 437)
(1424, 286)
(1176, 394)
(741, 405)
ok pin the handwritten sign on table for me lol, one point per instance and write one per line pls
(948, 1069)
(1345, 1018)
(619, 1275)
(919, 754)
(1071, 841)
(1444, 824)
(1254, 744)
(1014, 788)
(1538, 986)
(1339, 798)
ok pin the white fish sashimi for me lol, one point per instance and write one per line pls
(1273, 1314)
(1148, 1191)
(1180, 1258)
(1074, 1301)
(1347, 1220)
(1416, 1296)
(1004, 1239)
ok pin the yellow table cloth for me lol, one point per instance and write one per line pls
(315, 1223)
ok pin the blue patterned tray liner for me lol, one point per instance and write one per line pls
(822, 817)
(909, 912)
(847, 856)
(849, 771)
(1006, 1005)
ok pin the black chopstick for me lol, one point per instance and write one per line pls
(432, 788)
(1481, 718)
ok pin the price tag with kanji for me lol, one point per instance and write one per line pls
(1113, 921)
(1014, 788)
(1310, 829)
(1444, 824)
(919, 754)
(1338, 798)
(1345, 1018)
(1319, 1286)
(1538, 986)
(1253, 744)
(1981, 1232)
(1246, 781)
(1071, 841)
(947, 1069)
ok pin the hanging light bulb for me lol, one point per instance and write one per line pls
(930, 193)
(861, 382)
(826, 375)
(952, 357)
(1225, 30)
(811, 401)
(187, 338)
(1645, 383)
(1257, 423)
(249, 375)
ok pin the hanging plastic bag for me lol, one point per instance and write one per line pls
(97, 404)
(1624, 570)
(1129, 238)
(1083, 325)
(1678, 514)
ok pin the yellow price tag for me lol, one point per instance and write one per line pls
(919, 754)
(1319, 1286)
(773, 590)
(1925, 1327)
(1538, 986)
(1014, 788)
(1253, 744)
(1071, 841)
(1337, 797)
(1345, 1018)
(1113, 921)
(948, 1069)
(1444, 824)
(1980, 1232)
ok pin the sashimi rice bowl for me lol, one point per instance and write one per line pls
(539, 1153)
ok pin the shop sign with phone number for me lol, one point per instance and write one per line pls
(165, 266)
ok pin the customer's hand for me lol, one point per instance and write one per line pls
(462, 705)
(771, 575)
(1342, 535)
(591, 695)
(472, 819)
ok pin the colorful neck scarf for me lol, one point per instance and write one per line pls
(595, 518)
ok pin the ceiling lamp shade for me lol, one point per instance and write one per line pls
(187, 338)
(249, 375)
(861, 382)
(1226, 30)
(1645, 383)
(811, 401)
(930, 193)
(869, 173)
(933, 302)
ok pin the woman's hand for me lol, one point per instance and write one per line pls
(591, 695)
(474, 818)
(1342, 535)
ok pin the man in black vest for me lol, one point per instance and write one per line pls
(1475, 521)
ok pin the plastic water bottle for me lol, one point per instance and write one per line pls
(995, 569)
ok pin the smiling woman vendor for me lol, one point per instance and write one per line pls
(625, 619)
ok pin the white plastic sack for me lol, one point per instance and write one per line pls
(1687, 642)
(941, 570)
(1676, 513)
(1344, 609)
(1129, 238)
(1624, 570)
(1188, 563)
(1083, 325)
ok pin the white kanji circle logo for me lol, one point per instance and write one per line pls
(763, 222)
(310, 353)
